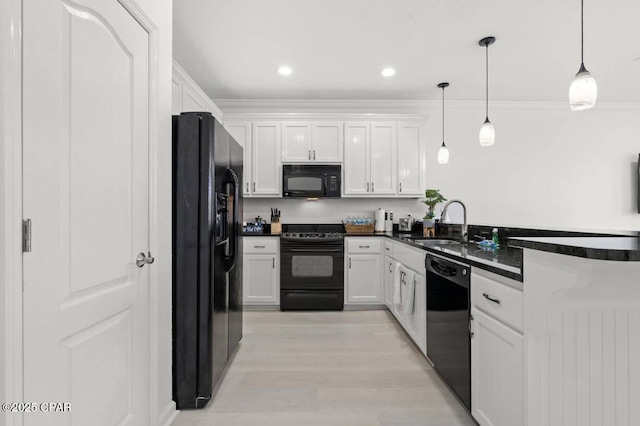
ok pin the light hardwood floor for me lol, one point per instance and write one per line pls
(353, 368)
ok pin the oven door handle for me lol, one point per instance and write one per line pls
(312, 250)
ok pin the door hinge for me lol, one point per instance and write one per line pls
(26, 235)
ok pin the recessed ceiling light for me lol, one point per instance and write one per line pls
(284, 70)
(388, 72)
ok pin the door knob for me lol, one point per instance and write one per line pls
(142, 260)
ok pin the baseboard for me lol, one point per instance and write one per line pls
(365, 307)
(260, 307)
(168, 415)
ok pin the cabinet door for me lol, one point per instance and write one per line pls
(260, 278)
(410, 159)
(296, 142)
(364, 279)
(356, 159)
(383, 158)
(415, 322)
(326, 142)
(389, 272)
(265, 160)
(497, 372)
(241, 132)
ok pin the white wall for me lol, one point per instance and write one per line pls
(330, 211)
(550, 167)
(162, 406)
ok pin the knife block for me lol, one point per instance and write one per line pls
(276, 228)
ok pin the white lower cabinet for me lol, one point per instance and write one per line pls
(389, 272)
(363, 265)
(261, 271)
(497, 351)
(415, 319)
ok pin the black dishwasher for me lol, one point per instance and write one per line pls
(448, 337)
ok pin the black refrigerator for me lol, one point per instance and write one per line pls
(207, 261)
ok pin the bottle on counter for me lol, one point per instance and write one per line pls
(494, 236)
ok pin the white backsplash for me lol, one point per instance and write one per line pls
(335, 211)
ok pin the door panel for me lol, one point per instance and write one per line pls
(356, 161)
(296, 142)
(364, 279)
(383, 158)
(266, 162)
(86, 189)
(260, 279)
(327, 142)
(410, 159)
(241, 132)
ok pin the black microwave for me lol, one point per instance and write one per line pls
(311, 181)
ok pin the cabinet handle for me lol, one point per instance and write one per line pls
(390, 267)
(309, 154)
(274, 263)
(314, 154)
(349, 263)
(486, 296)
(364, 246)
(471, 333)
(247, 186)
(259, 246)
(254, 187)
(372, 187)
(387, 249)
(367, 186)
(400, 186)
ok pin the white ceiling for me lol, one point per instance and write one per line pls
(232, 48)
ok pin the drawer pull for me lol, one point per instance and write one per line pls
(486, 296)
(259, 246)
(387, 249)
(364, 246)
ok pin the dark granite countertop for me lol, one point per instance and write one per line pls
(505, 260)
(618, 248)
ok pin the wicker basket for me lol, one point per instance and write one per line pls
(359, 229)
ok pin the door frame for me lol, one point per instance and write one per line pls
(11, 214)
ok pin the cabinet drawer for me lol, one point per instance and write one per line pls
(265, 245)
(499, 300)
(364, 245)
(410, 257)
(388, 247)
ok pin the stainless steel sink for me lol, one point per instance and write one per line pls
(436, 242)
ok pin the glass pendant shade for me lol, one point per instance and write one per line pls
(583, 91)
(487, 134)
(443, 154)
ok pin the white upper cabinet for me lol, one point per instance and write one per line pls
(188, 96)
(296, 142)
(241, 132)
(327, 141)
(356, 159)
(312, 142)
(384, 140)
(411, 159)
(265, 159)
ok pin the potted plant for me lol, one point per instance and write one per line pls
(433, 197)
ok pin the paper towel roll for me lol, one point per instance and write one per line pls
(380, 220)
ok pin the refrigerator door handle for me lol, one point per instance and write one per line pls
(231, 179)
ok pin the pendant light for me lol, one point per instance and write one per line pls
(584, 90)
(443, 152)
(487, 132)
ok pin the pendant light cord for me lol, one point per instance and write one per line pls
(582, 31)
(443, 116)
(487, 81)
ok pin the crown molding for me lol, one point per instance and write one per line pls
(386, 108)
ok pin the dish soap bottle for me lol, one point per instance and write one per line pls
(494, 237)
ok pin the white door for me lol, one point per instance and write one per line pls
(260, 276)
(265, 161)
(241, 132)
(356, 159)
(86, 189)
(383, 158)
(415, 321)
(497, 373)
(364, 279)
(327, 141)
(296, 142)
(410, 159)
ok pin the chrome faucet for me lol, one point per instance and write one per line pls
(465, 233)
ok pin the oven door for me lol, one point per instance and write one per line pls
(312, 265)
